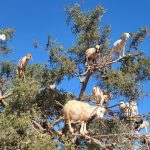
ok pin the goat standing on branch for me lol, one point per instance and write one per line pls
(144, 125)
(52, 86)
(2, 37)
(124, 108)
(133, 109)
(91, 54)
(120, 44)
(128, 109)
(76, 111)
(22, 65)
(100, 97)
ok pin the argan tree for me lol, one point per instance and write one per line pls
(32, 113)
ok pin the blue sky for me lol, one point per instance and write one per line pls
(35, 19)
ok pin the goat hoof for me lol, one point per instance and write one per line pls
(86, 132)
(72, 131)
(82, 133)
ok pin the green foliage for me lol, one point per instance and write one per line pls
(139, 37)
(7, 69)
(18, 132)
(24, 94)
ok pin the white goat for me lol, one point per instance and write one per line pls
(120, 44)
(52, 86)
(2, 37)
(145, 125)
(77, 111)
(128, 109)
(91, 54)
(124, 108)
(133, 109)
(100, 96)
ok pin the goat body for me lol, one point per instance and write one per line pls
(22, 65)
(91, 54)
(2, 37)
(119, 45)
(52, 86)
(77, 111)
(145, 125)
(124, 108)
(99, 96)
(128, 109)
(133, 109)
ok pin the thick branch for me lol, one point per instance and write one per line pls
(6, 95)
(58, 103)
(56, 121)
(2, 98)
(84, 84)
(87, 137)
(118, 59)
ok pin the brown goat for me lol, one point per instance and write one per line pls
(22, 65)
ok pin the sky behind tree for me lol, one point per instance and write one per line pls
(35, 19)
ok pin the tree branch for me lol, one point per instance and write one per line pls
(118, 59)
(2, 98)
(56, 121)
(38, 125)
(84, 84)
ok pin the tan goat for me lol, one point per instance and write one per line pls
(91, 54)
(22, 65)
(124, 108)
(100, 96)
(80, 112)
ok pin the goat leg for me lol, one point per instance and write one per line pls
(85, 131)
(70, 128)
(82, 128)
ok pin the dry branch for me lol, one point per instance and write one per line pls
(38, 126)
(3, 97)
(84, 84)
(56, 121)
(92, 139)
(58, 103)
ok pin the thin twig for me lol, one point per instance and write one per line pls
(58, 103)
(56, 121)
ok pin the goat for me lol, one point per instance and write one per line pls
(146, 140)
(52, 86)
(145, 124)
(22, 65)
(2, 37)
(128, 109)
(91, 54)
(124, 108)
(100, 96)
(76, 111)
(119, 45)
(133, 109)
